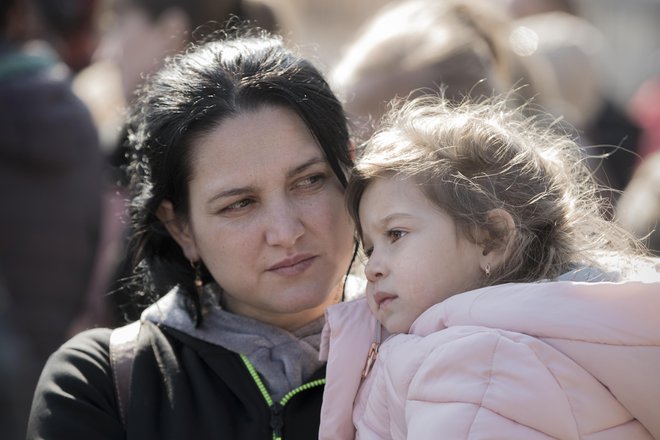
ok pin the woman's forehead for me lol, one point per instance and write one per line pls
(254, 145)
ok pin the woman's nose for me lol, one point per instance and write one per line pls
(284, 226)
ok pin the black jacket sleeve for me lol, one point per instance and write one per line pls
(74, 398)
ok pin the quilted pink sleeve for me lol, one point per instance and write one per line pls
(475, 383)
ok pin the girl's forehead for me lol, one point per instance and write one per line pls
(391, 193)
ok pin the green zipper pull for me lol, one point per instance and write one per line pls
(276, 420)
(277, 408)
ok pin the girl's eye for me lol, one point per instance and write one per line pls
(395, 234)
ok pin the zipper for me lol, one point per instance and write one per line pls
(277, 408)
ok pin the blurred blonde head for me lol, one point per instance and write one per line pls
(422, 45)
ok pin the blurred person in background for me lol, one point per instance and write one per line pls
(71, 27)
(138, 36)
(564, 50)
(421, 46)
(145, 32)
(638, 209)
(644, 109)
(476, 48)
(16, 385)
(51, 180)
(523, 8)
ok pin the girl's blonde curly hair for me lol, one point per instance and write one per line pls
(473, 157)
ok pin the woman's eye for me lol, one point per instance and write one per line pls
(368, 251)
(395, 234)
(310, 181)
(243, 203)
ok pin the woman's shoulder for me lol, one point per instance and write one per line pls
(81, 361)
(87, 348)
(76, 381)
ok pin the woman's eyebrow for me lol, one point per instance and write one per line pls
(300, 168)
(230, 193)
(248, 189)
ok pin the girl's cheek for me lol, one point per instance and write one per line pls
(369, 293)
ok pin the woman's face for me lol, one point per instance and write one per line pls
(267, 218)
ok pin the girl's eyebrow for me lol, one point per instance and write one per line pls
(382, 223)
(395, 216)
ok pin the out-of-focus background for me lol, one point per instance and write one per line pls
(630, 29)
(69, 68)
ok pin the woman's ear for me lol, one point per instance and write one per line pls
(496, 240)
(352, 149)
(179, 230)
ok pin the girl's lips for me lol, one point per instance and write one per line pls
(383, 298)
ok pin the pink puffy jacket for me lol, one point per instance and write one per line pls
(559, 360)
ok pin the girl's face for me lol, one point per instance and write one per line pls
(267, 218)
(417, 257)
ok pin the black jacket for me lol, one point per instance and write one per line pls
(181, 388)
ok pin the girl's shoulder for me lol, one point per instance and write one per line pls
(612, 267)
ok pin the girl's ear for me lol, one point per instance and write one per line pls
(497, 238)
(179, 230)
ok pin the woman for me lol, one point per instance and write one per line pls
(239, 155)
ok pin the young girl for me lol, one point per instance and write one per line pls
(515, 309)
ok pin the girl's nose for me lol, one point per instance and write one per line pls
(374, 268)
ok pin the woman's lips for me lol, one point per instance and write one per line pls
(293, 266)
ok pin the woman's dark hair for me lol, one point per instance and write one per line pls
(191, 95)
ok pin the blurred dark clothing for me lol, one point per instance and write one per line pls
(615, 134)
(51, 182)
(15, 372)
(71, 28)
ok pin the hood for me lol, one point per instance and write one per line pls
(284, 359)
(612, 330)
